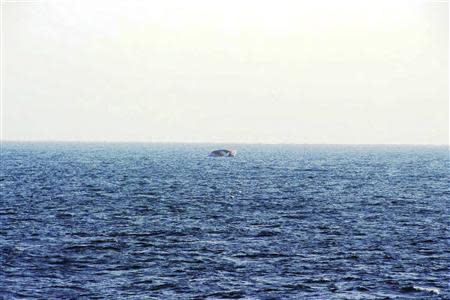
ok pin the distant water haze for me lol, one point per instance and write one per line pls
(347, 72)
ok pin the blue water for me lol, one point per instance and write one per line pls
(149, 221)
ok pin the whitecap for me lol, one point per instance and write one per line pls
(427, 289)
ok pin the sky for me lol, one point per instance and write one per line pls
(280, 71)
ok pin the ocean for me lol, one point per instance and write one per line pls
(165, 221)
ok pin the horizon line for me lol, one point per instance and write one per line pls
(215, 142)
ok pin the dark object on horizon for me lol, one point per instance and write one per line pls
(223, 153)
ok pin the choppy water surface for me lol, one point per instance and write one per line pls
(143, 221)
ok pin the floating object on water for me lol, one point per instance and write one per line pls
(223, 153)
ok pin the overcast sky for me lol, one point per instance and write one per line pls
(326, 71)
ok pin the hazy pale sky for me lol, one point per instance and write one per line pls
(326, 71)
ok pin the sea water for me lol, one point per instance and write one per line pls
(165, 221)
